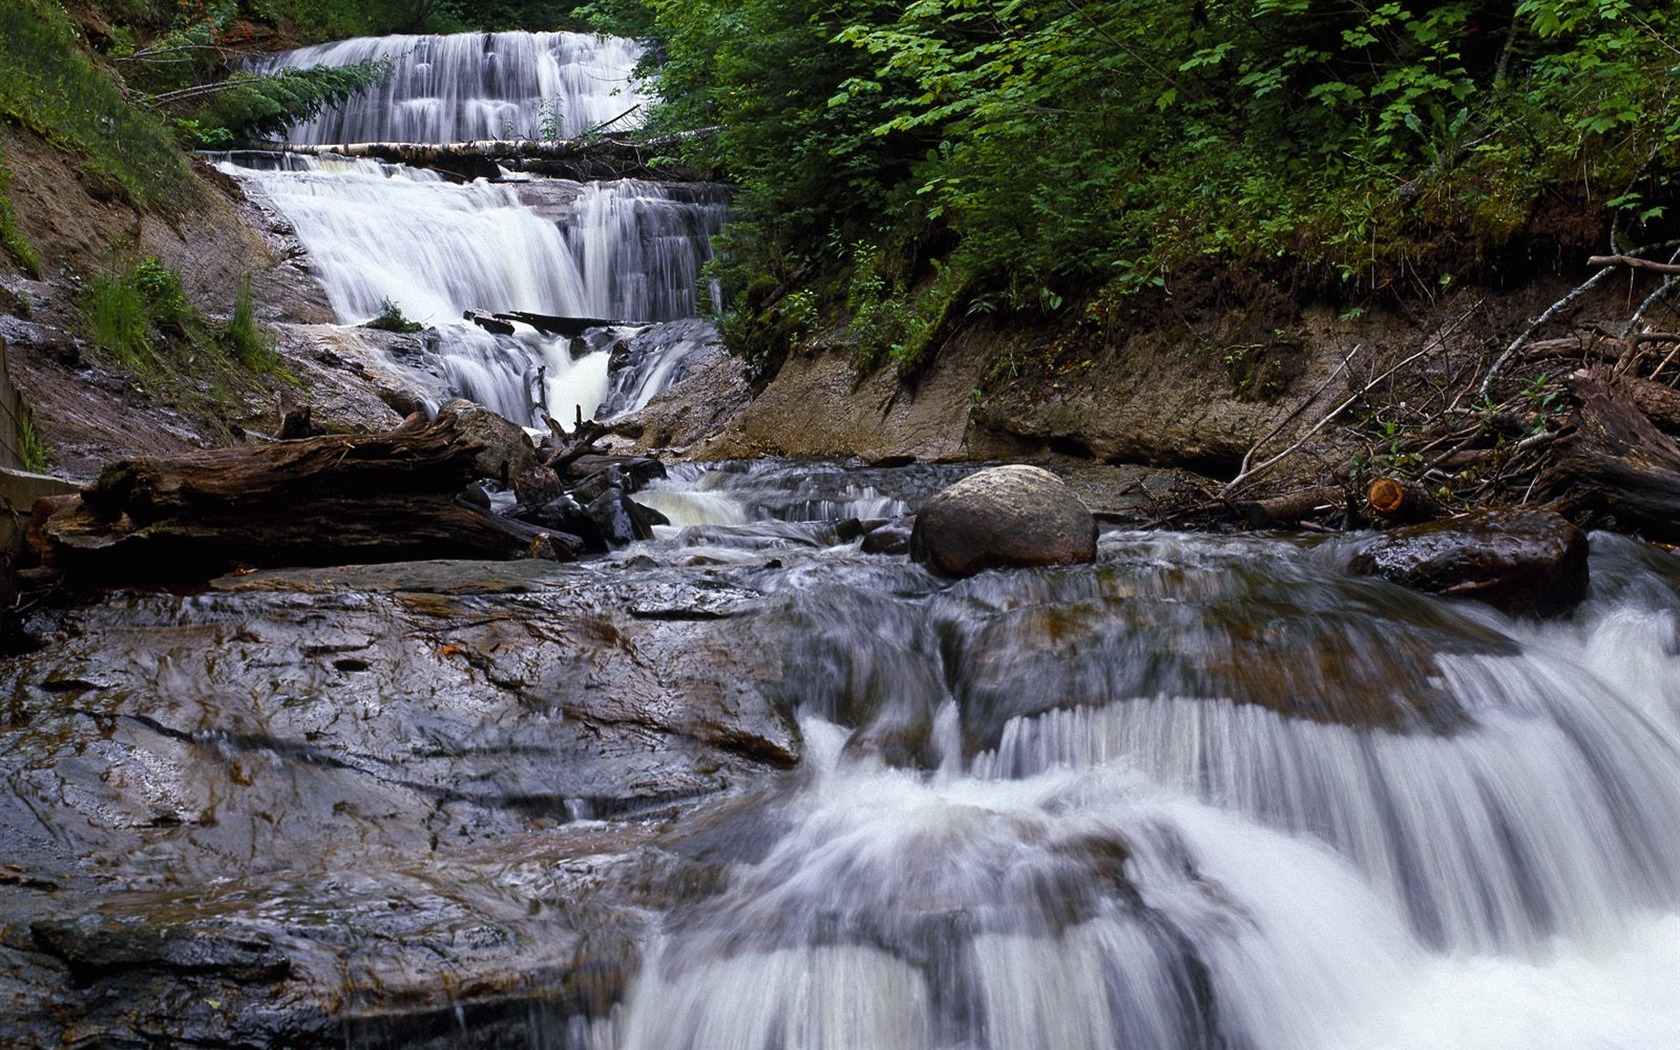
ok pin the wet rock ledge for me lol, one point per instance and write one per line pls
(308, 806)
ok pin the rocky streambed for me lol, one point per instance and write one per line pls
(455, 802)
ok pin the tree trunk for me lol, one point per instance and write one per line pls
(1659, 401)
(580, 158)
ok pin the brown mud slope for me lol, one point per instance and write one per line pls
(1197, 395)
(89, 412)
(1253, 402)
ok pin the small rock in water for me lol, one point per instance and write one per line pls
(622, 520)
(554, 546)
(565, 514)
(892, 537)
(1003, 517)
(1524, 562)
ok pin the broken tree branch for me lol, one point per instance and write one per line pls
(1635, 262)
(1231, 486)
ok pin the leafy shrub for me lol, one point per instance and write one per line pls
(391, 319)
(249, 342)
(118, 320)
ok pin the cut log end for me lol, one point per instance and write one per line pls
(1396, 502)
(1386, 496)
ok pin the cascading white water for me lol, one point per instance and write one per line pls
(468, 86)
(1184, 872)
(622, 250)
(625, 250)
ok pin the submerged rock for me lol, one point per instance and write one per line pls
(890, 538)
(1523, 562)
(1004, 517)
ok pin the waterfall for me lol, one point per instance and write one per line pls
(468, 86)
(624, 250)
(1495, 867)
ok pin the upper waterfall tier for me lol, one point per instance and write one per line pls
(469, 86)
(625, 250)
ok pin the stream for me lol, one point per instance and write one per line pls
(743, 786)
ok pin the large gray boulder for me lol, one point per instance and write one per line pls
(508, 452)
(1524, 562)
(1003, 517)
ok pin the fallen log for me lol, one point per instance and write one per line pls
(1291, 508)
(330, 500)
(1616, 464)
(1659, 401)
(549, 324)
(583, 158)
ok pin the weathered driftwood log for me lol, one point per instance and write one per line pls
(1659, 401)
(1617, 463)
(320, 501)
(1396, 502)
(572, 446)
(1291, 508)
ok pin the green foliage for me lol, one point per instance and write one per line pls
(48, 85)
(391, 319)
(32, 448)
(898, 325)
(814, 174)
(141, 322)
(1099, 148)
(250, 106)
(318, 20)
(249, 342)
(130, 310)
(12, 240)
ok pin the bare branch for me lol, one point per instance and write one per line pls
(1633, 261)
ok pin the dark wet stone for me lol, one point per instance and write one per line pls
(1003, 517)
(1524, 562)
(477, 494)
(566, 514)
(284, 810)
(95, 944)
(891, 538)
(622, 520)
